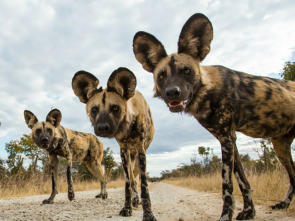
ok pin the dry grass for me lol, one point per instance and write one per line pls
(36, 185)
(268, 188)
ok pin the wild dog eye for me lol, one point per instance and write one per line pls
(49, 130)
(38, 131)
(186, 70)
(115, 108)
(162, 75)
(94, 110)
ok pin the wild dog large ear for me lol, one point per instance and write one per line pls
(30, 118)
(196, 36)
(54, 117)
(123, 82)
(148, 50)
(84, 85)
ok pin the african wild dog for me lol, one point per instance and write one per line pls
(121, 112)
(57, 140)
(223, 101)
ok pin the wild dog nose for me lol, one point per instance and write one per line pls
(44, 140)
(173, 92)
(103, 128)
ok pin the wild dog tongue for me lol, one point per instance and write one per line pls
(175, 103)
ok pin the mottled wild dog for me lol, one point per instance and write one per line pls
(223, 101)
(121, 112)
(57, 140)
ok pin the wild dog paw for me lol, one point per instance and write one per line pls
(245, 215)
(135, 201)
(225, 218)
(47, 201)
(103, 196)
(126, 211)
(71, 196)
(148, 216)
(280, 205)
(99, 195)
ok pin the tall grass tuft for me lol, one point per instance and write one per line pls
(269, 188)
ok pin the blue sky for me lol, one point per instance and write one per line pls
(44, 43)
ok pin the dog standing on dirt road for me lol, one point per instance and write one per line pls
(223, 101)
(121, 112)
(57, 140)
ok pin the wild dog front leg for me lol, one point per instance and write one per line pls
(53, 162)
(125, 157)
(133, 176)
(135, 196)
(227, 149)
(145, 196)
(68, 155)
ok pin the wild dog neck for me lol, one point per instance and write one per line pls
(126, 130)
(60, 139)
(130, 119)
(209, 80)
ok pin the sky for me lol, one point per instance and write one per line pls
(44, 43)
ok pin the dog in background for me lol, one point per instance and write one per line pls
(223, 101)
(57, 140)
(121, 112)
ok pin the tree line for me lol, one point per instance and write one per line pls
(211, 163)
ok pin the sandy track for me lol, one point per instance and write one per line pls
(169, 203)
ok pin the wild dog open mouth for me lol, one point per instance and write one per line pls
(177, 103)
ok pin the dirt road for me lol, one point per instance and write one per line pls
(169, 203)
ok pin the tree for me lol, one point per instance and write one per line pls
(108, 161)
(215, 164)
(3, 170)
(195, 165)
(205, 152)
(288, 71)
(165, 174)
(267, 160)
(31, 151)
(118, 172)
(25, 148)
(83, 172)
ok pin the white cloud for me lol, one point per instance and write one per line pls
(43, 44)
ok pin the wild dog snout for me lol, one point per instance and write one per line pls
(103, 128)
(44, 140)
(173, 92)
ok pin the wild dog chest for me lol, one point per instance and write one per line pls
(215, 115)
(61, 148)
(134, 137)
